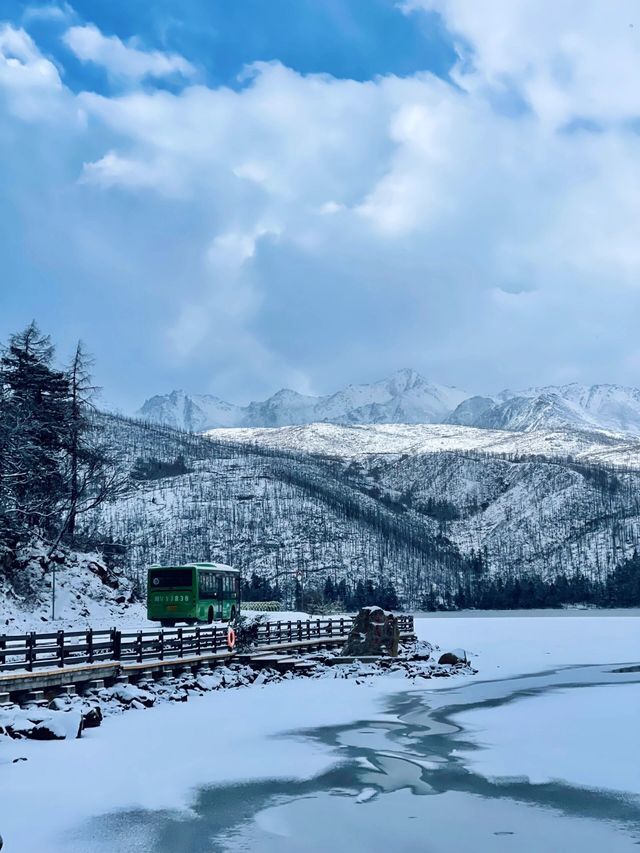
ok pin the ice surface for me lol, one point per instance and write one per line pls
(236, 736)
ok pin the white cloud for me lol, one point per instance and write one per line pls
(48, 12)
(569, 59)
(30, 82)
(121, 60)
(305, 226)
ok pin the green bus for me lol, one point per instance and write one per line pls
(197, 592)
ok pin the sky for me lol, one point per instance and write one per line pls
(234, 196)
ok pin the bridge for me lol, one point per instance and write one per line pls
(67, 661)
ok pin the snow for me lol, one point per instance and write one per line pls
(129, 763)
(133, 764)
(358, 441)
(503, 645)
(575, 728)
(83, 600)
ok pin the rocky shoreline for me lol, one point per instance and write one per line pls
(66, 716)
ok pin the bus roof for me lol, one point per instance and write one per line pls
(218, 567)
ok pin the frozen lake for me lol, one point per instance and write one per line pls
(537, 752)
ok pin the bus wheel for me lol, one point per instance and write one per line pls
(210, 615)
(232, 618)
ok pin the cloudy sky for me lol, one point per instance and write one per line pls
(231, 196)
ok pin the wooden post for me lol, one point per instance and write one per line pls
(198, 640)
(290, 634)
(89, 641)
(116, 644)
(30, 643)
(180, 643)
(268, 633)
(60, 645)
(161, 644)
(299, 630)
(139, 647)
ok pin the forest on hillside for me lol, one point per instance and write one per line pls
(434, 531)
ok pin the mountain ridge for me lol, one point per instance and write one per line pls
(407, 397)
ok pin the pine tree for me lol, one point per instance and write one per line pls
(35, 398)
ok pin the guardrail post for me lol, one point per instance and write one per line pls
(330, 627)
(89, 641)
(139, 647)
(30, 653)
(318, 628)
(290, 634)
(308, 629)
(279, 637)
(180, 643)
(198, 640)
(3, 645)
(299, 624)
(341, 625)
(60, 645)
(116, 644)
(215, 640)
(161, 644)
(268, 633)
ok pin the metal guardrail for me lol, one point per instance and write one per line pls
(33, 651)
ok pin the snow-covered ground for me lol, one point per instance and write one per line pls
(166, 758)
(357, 440)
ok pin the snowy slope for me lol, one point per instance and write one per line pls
(361, 440)
(403, 397)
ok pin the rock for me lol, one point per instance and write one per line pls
(61, 725)
(374, 632)
(457, 656)
(92, 718)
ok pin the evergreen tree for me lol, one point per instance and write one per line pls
(35, 402)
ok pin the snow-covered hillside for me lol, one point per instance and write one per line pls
(416, 439)
(403, 397)
(88, 593)
(409, 503)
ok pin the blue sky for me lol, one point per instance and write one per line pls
(231, 196)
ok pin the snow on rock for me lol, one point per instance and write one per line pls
(88, 593)
(41, 723)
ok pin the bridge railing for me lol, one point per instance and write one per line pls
(33, 650)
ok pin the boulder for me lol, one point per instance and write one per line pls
(92, 717)
(374, 632)
(457, 656)
(60, 725)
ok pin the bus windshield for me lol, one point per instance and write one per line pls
(171, 578)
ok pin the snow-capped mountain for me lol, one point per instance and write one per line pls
(403, 397)
(192, 412)
(597, 407)
(407, 397)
